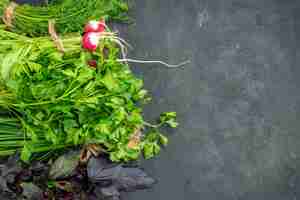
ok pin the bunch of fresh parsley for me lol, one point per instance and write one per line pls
(61, 101)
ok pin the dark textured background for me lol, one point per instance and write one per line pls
(238, 102)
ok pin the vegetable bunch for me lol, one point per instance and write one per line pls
(59, 99)
(69, 15)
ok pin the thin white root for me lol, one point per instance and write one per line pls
(122, 47)
(112, 35)
(123, 41)
(154, 61)
(119, 42)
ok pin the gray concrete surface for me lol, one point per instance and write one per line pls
(238, 102)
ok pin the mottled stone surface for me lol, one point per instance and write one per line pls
(238, 102)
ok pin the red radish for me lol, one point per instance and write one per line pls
(92, 63)
(90, 41)
(95, 26)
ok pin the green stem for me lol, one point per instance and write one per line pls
(34, 104)
(152, 125)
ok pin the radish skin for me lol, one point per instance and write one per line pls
(90, 41)
(95, 26)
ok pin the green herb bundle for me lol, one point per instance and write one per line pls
(69, 15)
(12, 139)
(18, 53)
(62, 101)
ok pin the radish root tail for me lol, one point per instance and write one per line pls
(154, 62)
(123, 47)
(119, 41)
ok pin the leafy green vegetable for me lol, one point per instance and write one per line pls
(69, 15)
(12, 139)
(169, 118)
(58, 100)
(26, 152)
(152, 142)
(19, 53)
(62, 101)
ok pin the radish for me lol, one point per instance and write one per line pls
(92, 63)
(95, 26)
(91, 40)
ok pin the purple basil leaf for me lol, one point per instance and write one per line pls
(39, 167)
(132, 179)
(8, 195)
(124, 179)
(95, 167)
(64, 166)
(31, 191)
(99, 169)
(9, 171)
(110, 191)
(107, 193)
